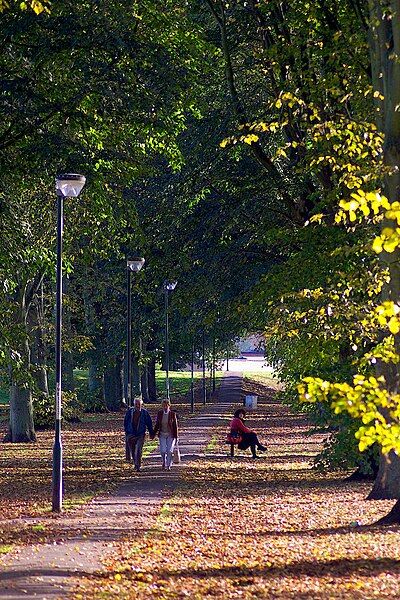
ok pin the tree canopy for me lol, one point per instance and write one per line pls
(248, 150)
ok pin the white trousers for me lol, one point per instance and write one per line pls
(167, 445)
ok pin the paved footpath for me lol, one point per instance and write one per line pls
(50, 571)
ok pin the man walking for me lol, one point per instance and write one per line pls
(136, 421)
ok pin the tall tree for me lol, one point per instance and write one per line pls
(93, 88)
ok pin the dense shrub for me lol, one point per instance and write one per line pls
(44, 409)
(91, 402)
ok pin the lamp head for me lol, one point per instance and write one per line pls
(170, 285)
(70, 184)
(135, 264)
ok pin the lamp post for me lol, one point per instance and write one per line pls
(213, 366)
(169, 286)
(192, 380)
(132, 266)
(204, 370)
(68, 185)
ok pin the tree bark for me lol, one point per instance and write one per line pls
(144, 384)
(393, 517)
(21, 426)
(113, 386)
(387, 483)
(21, 415)
(68, 383)
(95, 380)
(384, 41)
(151, 380)
(38, 348)
(136, 385)
(67, 366)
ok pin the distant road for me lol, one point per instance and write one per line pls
(249, 362)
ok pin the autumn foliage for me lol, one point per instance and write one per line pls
(271, 528)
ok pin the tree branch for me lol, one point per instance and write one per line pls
(262, 158)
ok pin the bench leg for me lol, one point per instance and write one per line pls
(232, 449)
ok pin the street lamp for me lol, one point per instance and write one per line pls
(68, 185)
(213, 366)
(204, 369)
(132, 266)
(169, 286)
(192, 380)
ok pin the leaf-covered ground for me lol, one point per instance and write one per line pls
(272, 528)
(93, 460)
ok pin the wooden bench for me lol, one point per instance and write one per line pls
(232, 445)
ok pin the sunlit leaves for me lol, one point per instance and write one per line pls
(373, 205)
(365, 400)
(37, 6)
(362, 205)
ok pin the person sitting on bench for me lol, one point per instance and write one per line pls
(249, 437)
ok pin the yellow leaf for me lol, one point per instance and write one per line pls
(394, 325)
(316, 218)
(353, 205)
(281, 152)
(37, 7)
(390, 245)
(365, 210)
(377, 245)
(249, 139)
(387, 232)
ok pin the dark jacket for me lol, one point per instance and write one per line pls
(172, 423)
(144, 423)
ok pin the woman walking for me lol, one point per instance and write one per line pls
(167, 428)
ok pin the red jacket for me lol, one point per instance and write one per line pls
(172, 423)
(238, 425)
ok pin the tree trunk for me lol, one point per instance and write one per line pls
(384, 42)
(119, 381)
(21, 415)
(136, 387)
(67, 365)
(393, 517)
(95, 380)
(368, 470)
(21, 427)
(38, 348)
(387, 483)
(68, 383)
(144, 385)
(151, 380)
(113, 386)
